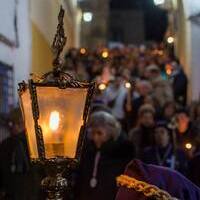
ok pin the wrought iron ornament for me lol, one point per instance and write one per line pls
(59, 42)
(54, 183)
(61, 80)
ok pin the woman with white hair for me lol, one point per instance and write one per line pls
(106, 154)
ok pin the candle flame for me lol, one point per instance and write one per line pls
(188, 145)
(54, 120)
(102, 86)
(104, 54)
(128, 85)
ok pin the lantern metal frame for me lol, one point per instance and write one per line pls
(62, 80)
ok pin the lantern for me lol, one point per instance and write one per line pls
(55, 109)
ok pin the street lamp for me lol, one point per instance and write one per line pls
(159, 2)
(170, 40)
(87, 16)
(55, 110)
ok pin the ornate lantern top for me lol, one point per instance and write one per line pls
(55, 109)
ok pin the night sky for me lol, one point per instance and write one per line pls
(155, 19)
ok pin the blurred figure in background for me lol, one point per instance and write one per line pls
(114, 96)
(143, 135)
(163, 153)
(137, 96)
(168, 111)
(194, 164)
(179, 83)
(106, 154)
(19, 180)
(195, 112)
(184, 132)
(14, 159)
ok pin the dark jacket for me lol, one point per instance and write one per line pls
(141, 137)
(166, 157)
(17, 178)
(186, 137)
(194, 169)
(114, 157)
(173, 182)
(180, 83)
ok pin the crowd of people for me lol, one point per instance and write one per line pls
(139, 110)
(145, 90)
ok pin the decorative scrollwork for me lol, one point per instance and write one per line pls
(56, 78)
(22, 87)
(59, 42)
(38, 129)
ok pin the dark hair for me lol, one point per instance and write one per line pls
(183, 110)
(146, 108)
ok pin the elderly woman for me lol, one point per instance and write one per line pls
(106, 154)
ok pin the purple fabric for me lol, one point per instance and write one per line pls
(171, 181)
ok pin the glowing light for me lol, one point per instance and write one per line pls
(87, 16)
(168, 69)
(170, 40)
(104, 54)
(82, 50)
(54, 120)
(102, 86)
(188, 146)
(159, 2)
(160, 53)
(127, 85)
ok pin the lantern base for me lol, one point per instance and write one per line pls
(54, 186)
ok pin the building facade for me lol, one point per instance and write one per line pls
(126, 26)
(185, 27)
(94, 32)
(27, 28)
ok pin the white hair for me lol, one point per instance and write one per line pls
(106, 120)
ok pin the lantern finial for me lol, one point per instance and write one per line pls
(59, 42)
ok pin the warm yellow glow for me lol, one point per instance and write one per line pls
(127, 85)
(168, 69)
(82, 50)
(160, 53)
(170, 40)
(102, 86)
(105, 54)
(54, 120)
(168, 72)
(188, 145)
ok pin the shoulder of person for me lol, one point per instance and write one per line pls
(164, 178)
(148, 150)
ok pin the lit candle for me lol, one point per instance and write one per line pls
(82, 50)
(104, 54)
(102, 86)
(54, 120)
(128, 85)
(188, 146)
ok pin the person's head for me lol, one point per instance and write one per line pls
(16, 123)
(146, 115)
(152, 72)
(118, 80)
(103, 127)
(144, 88)
(183, 120)
(169, 109)
(162, 136)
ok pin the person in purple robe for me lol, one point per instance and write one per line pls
(145, 182)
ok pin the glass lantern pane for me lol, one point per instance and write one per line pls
(61, 117)
(29, 123)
